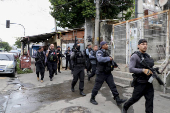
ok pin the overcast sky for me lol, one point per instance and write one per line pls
(33, 14)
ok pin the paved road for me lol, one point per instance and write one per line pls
(25, 94)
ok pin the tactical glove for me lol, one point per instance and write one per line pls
(147, 72)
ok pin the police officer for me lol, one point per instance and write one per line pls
(142, 87)
(45, 51)
(52, 61)
(88, 64)
(68, 53)
(103, 73)
(78, 71)
(59, 54)
(34, 55)
(72, 62)
(93, 61)
(40, 63)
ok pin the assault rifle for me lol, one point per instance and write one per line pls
(114, 64)
(154, 71)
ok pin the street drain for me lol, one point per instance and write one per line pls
(12, 79)
(75, 109)
(9, 81)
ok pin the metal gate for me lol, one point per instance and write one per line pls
(154, 28)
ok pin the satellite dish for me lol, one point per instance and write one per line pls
(162, 2)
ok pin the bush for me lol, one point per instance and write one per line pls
(20, 71)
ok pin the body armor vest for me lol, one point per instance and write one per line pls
(105, 67)
(79, 59)
(148, 60)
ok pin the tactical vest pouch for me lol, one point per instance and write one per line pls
(51, 57)
(108, 68)
(36, 59)
(99, 67)
(80, 61)
(134, 80)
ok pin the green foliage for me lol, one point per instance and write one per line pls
(5, 45)
(17, 42)
(19, 71)
(72, 13)
(130, 14)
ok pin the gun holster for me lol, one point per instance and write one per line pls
(134, 80)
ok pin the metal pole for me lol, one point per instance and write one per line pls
(20, 25)
(113, 44)
(167, 48)
(97, 19)
(122, 11)
(127, 43)
(136, 8)
(55, 25)
(28, 47)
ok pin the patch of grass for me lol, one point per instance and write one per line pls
(24, 71)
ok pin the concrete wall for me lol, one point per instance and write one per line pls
(89, 31)
(105, 34)
(120, 44)
(155, 31)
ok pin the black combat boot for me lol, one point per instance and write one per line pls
(82, 93)
(93, 101)
(88, 78)
(72, 89)
(56, 73)
(124, 110)
(51, 79)
(119, 101)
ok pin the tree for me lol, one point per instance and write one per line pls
(17, 42)
(72, 13)
(5, 45)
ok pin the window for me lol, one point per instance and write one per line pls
(6, 57)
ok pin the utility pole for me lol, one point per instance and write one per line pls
(97, 20)
(136, 8)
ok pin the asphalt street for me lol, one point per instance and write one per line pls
(24, 94)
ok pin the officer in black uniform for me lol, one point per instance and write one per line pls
(59, 54)
(40, 63)
(72, 62)
(103, 73)
(52, 61)
(141, 85)
(93, 61)
(68, 53)
(78, 72)
(88, 64)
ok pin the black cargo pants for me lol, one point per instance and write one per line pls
(142, 89)
(93, 70)
(52, 66)
(100, 78)
(40, 68)
(78, 73)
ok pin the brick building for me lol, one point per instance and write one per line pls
(69, 36)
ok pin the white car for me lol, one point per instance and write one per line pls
(7, 64)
